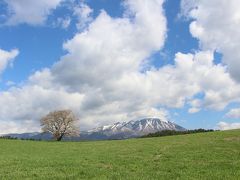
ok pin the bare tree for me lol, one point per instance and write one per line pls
(60, 123)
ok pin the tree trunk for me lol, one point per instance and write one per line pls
(60, 137)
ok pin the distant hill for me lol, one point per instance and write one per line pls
(173, 132)
(33, 135)
(124, 130)
(119, 130)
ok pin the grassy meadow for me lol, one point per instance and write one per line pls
(213, 155)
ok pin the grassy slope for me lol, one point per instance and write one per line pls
(214, 155)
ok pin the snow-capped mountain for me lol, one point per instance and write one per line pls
(119, 130)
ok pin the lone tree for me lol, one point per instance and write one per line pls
(60, 123)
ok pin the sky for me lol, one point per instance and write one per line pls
(118, 60)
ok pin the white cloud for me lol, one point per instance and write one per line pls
(216, 24)
(100, 79)
(6, 58)
(63, 22)
(83, 13)
(10, 83)
(195, 74)
(86, 79)
(31, 102)
(234, 113)
(194, 110)
(19, 127)
(228, 126)
(29, 11)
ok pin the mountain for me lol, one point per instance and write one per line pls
(123, 130)
(34, 135)
(119, 130)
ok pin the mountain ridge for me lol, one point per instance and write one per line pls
(119, 130)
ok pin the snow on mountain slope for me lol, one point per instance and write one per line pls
(119, 130)
(135, 128)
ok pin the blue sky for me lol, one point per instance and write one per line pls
(46, 49)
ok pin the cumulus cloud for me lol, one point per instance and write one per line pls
(100, 77)
(63, 22)
(228, 126)
(6, 58)
(234, 113)
(28, 11)
(83, 13)
(98, 62)
(31, 102)
(216, 24)
(18, 127)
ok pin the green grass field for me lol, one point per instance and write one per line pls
(214, 155)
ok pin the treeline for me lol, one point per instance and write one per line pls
(7, 137)
(14, 138)
(173, 132)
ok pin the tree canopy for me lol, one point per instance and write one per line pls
(60, 123)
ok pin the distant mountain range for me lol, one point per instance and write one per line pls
(119, 130)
